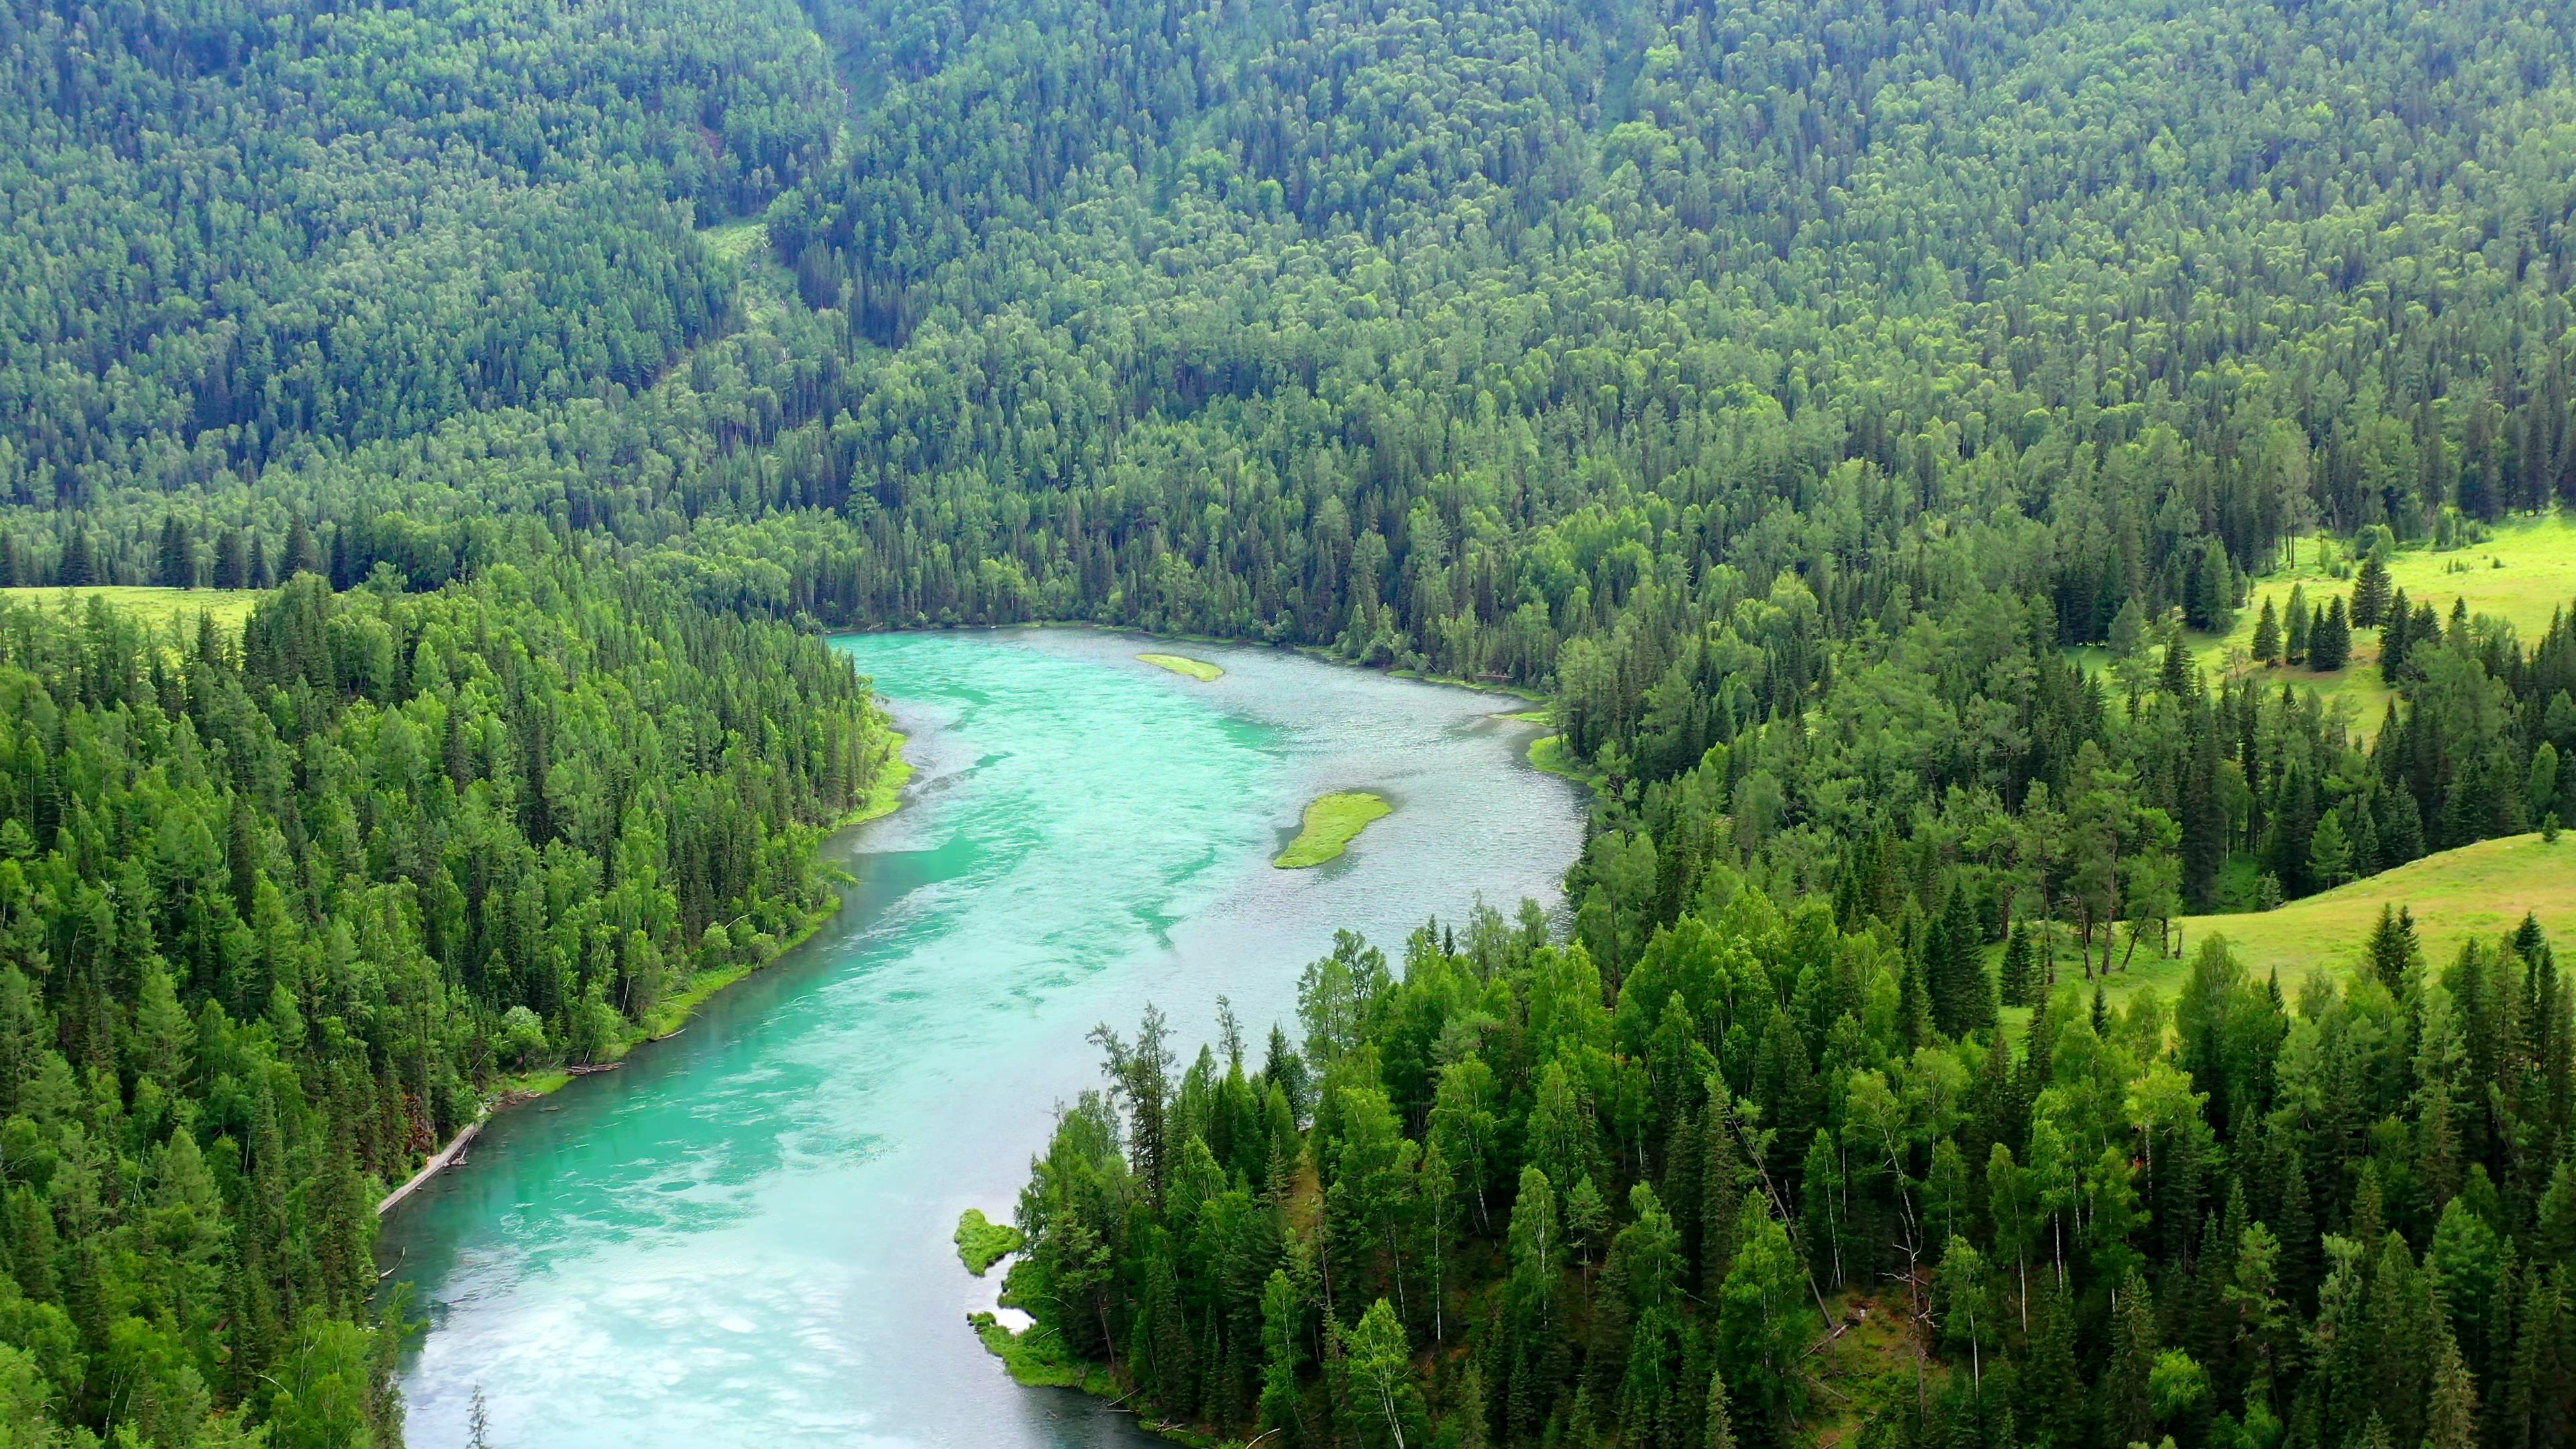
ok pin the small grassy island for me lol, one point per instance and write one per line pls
(982, 1242)
(1198, 669)
(1332, 823)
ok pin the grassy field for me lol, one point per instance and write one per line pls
(2480, 890)
(151, 605)
(1198, 669)
(2477, 891)
(1332, 823)
(2521, 574)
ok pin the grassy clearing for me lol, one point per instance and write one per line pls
(1864, 1372)
(154, 606)
(982, 1242)
(2521, 573)
(1332, 823)
(2476, 891)
(1198, 669)
(734, 240)
(1036, 1357)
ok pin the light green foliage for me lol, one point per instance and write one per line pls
(1332, 823)
(1198, 669)
(981, 1243)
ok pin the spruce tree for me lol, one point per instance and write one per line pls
(2017, 967)
(2330, 643)
(2128, 1408)
(2175, 678)
(2396, 636)
(1717, 1431)
(2329, 852)
(176, 565)
(2267, 634)
(74, 570)
(2370, 596)
(2392, 949)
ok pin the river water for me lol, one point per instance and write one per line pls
(742, 1238)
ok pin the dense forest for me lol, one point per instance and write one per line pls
(1847, 413)
(278, 911)
(1496, 1197)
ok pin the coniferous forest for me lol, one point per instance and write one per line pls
(1849, 416)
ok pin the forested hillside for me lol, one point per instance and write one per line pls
(278, 911)
(1477, 1206)
(1852, 415)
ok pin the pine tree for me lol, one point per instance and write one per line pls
(2392, 950)
(2175, 678)
(1719, 1433)
(75, 570)
(176, 565)
(2330, 641)
(2299, 619)
(2267, 634)
(2019, 984)
(2329, 851)
(2370, 596)
(2396, 636)
(2128, 1407)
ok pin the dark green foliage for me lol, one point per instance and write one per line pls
(1784, 389)
(2062, 1291)
(2330, 638)
(2371, 600)
(278, 914)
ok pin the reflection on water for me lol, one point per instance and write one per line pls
(742, 1238)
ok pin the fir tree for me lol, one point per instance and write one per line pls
(2019, 968)
(2370, 595)
(2330, 641)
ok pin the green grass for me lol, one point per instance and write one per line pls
(1332, 823)
(153, 606)
(982, 1242)
(766, 285)
(1037, 1359)
(524, 1085)
(1198, 669)
(2521, 573)
(1548, 753)
(2478, 891)
(886, 795)
(734, 240)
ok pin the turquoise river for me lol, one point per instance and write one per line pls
(742, 1238)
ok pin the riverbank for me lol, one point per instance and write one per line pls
(885, 796)
(1317, 652)
(701, 1222)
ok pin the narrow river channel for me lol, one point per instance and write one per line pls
(741, 1239)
